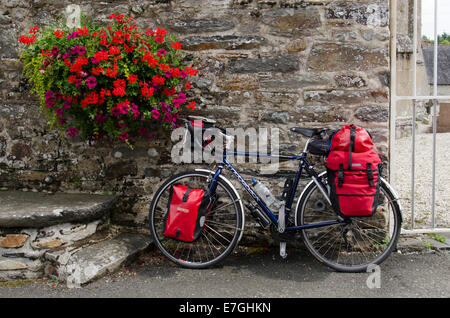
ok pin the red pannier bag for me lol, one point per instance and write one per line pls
(186, 213)
(353, 169)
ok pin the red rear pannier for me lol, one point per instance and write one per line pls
(186, 212)
(353, 170)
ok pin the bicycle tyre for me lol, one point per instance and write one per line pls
(371, 238)
(212, 232)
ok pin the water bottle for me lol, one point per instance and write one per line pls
(263, 192)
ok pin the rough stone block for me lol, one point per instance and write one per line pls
(296, 45)
(323, 114)
(83, 265)
(13, 240)
(292, 82)
(282, 64)
(8, 43)
(11, 265)
(372, 113)
(239, 83)
(48, 244)
(226, 42)
(350, 81)
(325, 97)
(14, 264)
(201, 25)
(331, 57)
(375, 13)
(120, 169)
(300, 21)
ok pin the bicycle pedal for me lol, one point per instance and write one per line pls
(283, 253)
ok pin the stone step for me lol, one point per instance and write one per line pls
(82, 265)
(37, 210)
(33, 223)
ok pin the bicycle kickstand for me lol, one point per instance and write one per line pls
(281, 228)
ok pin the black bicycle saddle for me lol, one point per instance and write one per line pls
(308, 132)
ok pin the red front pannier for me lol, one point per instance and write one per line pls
(186, 213)
(353, 169)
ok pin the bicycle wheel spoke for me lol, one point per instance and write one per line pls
(222, 224)
(358, 242)
(224, 206)
(219, 234)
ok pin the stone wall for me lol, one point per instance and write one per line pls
(267, 63)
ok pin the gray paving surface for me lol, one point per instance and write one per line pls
(260, 274)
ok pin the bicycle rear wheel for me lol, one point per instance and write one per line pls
(221, 231)
(357, 244)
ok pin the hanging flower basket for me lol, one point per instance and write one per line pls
(115, 82)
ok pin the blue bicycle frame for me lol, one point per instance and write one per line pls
(303, 163)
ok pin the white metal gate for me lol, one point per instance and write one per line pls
(414, 98)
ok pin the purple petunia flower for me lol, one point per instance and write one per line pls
(77, 49)
(67, 104)
(49, 103)
(100, 117)
(91, 82)
(72, 131)
(165, 107)
(55, 51)
(155, 113)
(81, 50)
(73, 35)
(48, 94)
(59, 112)
(142, 131)
(78, 82)
(161, 52)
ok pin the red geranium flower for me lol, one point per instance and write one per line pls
(28, 40)
(90, 70)
(114, 50)
(34, 29)
(132, 78)
(111, 72)
(97, 70)
(101, 55)
(159, 80)
(191, 105)
(59, 34)
(176, 45)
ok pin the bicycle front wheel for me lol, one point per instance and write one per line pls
(357, 244)
(220, 234)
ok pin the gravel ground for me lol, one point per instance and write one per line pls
(423, 179)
